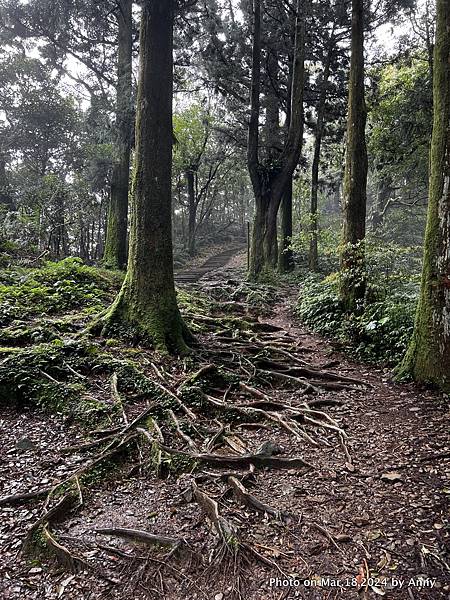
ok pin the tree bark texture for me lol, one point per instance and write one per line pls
(353, 282)
(428, 356)
(115, 254)
(147, 301)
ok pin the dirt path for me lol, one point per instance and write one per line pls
(393, 503)
(382, 510)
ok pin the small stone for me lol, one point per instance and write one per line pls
(218, 596)
(35, 571)
(391, 477)
(25, 444)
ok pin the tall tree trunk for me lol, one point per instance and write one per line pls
(353, 281)
(115, 255)
(5, 196)
(269, 186)
(147, 301)
(285, 255)
(313, 257)
(428, 356)
(380, 206)
(192, 210)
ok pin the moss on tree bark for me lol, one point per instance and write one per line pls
(352, 287)
(115, 253)
(428, 356)
(147, 301)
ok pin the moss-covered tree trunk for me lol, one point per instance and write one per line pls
(147, 301)
(115, 253)
(428, 356)
(353, 282)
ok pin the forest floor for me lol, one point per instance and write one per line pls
(363, 513)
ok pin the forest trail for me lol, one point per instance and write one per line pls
(213, 263)
(374, 502)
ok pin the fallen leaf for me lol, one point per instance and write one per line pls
(377, 590)
(374, 535)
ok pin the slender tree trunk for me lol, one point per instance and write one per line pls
(5, 197)
(261, 200)
(313, 257)
(147, 301)
(285, 256)
(353, 281)
(383, 193)
(115, 254)
(428, 356)
(192, 210)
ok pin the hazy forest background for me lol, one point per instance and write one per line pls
(209, 201)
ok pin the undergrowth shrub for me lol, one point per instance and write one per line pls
(57, 287)
(380, 333)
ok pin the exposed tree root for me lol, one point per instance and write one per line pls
(175, 398)
(190, 442)
(250, 501)
(301, 413)
(144, 537)
(226, 531)
(65, 558)
(184, 408)
(61, 509)
(14, 499)
(245, 460)
(326, 533)
(117, 397)
(105, 455)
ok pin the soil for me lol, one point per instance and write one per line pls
(369, 522)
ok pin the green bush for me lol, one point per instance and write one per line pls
(57, 287)
(380, 334)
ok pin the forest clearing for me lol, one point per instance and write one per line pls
(224, 299)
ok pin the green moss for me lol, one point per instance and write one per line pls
(428, 356)
(21, 335)
(46, 375)
(154, 321)
(54, 288)
(100, 472)
(193, 396)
